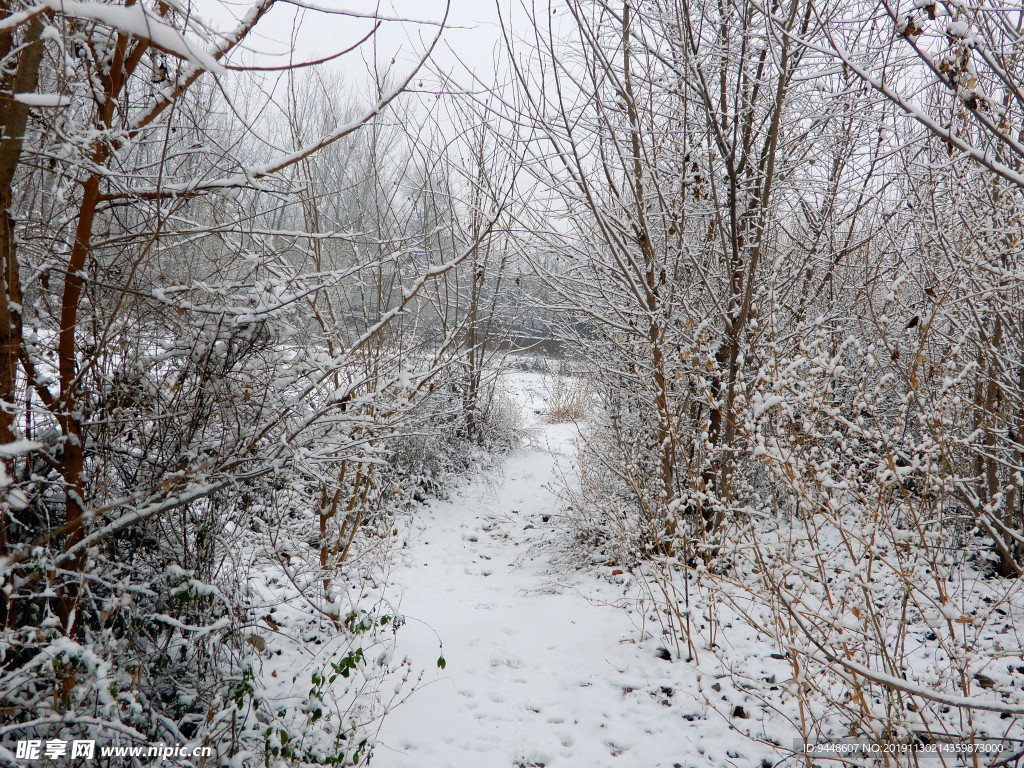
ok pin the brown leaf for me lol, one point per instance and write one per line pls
(985, 681)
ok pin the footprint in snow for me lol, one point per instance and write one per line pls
(614, 749)
(506, 661)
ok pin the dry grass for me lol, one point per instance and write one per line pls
(569, 398)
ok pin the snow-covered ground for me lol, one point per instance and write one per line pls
(543, 667)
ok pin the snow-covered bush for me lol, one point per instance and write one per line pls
(874, 571)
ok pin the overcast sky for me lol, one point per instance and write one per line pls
(471, 37)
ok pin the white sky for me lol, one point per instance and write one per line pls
(471, 39)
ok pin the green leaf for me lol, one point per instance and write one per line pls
(441, 663)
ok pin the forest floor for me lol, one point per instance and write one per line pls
(543, 666)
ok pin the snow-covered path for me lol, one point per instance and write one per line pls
(539, 672)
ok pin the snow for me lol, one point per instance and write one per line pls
(43, 99)
(958, 28)
(133, 20)
(18, 447)
(557, 655)
(544, 664)
(767, 404)
(16, 19)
